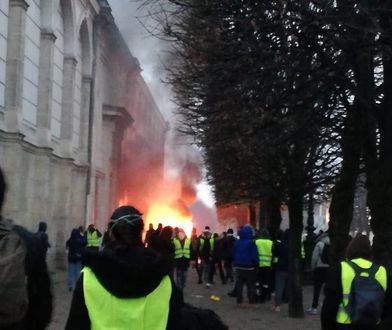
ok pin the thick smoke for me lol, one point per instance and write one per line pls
(141, 182)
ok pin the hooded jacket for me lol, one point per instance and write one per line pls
(129, 272)
(245, 250)
(75, 245)
(43, 236)
(317, 252)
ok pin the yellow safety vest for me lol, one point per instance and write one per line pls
(303, 255)
(92, 239)
(108, 312)
(348, 275)
(182, 251)
(264, 249)
(212, 243)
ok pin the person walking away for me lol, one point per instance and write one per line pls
(93, 238)
(126, 286)
(264, 250)
(320, 267)
(216, 262)
(206, 247)
(245, 263)
(75, 246)
(149, 234)
(182, 255)
(357, 291)
(26, 299)
(195, 254)
(227, 254)
(281, 253)
(43, 237)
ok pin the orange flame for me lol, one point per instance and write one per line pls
(160, 212)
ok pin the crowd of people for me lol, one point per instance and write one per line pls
(120, 281)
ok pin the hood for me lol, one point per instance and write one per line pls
(128, 272)
(325, 239)
(75, 233)
(246, 233)
(42, 226)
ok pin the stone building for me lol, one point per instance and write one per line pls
(70, 91)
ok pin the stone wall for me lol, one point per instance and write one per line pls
(70, 90)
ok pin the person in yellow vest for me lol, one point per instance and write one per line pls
(344, 300)
(206, 247)
(93, 236)
(126, 286)
(264, 250)
(182, 256)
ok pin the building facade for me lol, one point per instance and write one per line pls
(71, 101)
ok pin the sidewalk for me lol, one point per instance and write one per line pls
(236, 317)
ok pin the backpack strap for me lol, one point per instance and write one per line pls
(372, 271)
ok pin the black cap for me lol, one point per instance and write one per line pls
(125, 210)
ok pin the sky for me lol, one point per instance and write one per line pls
(150, 52)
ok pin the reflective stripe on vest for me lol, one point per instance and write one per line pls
(264, 249)
(348, 274)
(182, 252)
(92, 239)
(212, 243)
(108, 312)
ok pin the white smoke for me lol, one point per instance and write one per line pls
(151, 53)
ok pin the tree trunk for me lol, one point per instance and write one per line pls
(276, 216)
(342, 204)
(252, 215)
(295, 264)
(380, 178)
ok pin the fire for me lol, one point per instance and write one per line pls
(169, 216)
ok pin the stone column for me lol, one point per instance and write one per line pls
(15, 64)
(45, 89)
(85, 118)
(70, 64)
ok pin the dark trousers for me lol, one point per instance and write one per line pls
(217, 263)
(320, 276)
(228, 264)
(264, 279)
(248, 277)
(181, 274)
(205, 268)
(198, 270)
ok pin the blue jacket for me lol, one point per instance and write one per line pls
(245, 250)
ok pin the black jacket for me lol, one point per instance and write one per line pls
(334, 296)
(125, 273)
(38, 284)
(75, 245)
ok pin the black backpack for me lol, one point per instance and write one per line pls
(366, 299)
(13, 287)
(325, 254)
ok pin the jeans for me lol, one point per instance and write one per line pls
(248, 277)
(74, 269)
(320, 276)
(181, 277)
(280, 285)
